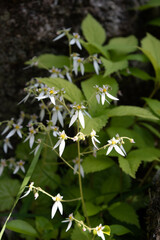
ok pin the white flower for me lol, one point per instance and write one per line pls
(57, 205)
(120, 143)
(100, 232)
(94, 139)
(55, 73)
(55, 131)
(35, 150)
(31, 137)
(61, 34)
(79, 112)
(30, 188)
(78, 62)
(9, 125)
(7, 145)
(68, 74)
(61, 142)
(3, 164)
(51, 92)
(96, 63)
(114, 144)
(33, 119)
(57, 115)
(11, 162)
(76, 166)
(75, 40)
(42, 112)
(69, 220)
(16, 129)
(19, 165)
(102, 93)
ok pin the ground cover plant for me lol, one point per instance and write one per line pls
(79, 149)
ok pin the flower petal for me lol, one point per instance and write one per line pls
(109, 149)
(118, 150)
(60, 207)
(111, 97)
(61, 147)
(69, 225)
(54, 209)
(81, 119)
(73, 119)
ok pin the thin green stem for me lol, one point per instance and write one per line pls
(80, 180)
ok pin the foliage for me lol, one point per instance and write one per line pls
(83, 144)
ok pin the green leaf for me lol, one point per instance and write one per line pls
(78, 233)
(43, 225)
(111, 67)
(22, 187)
(154, 105)
(107, 230)
(89, 91)
(133, 160)
(72, 92)
(137, 57)
(152, 129)
(131, 111)
(8, 191)
(93, 31)
(94, 48)
(138, 73)
(92, 164)
(125, 121)
(129, 165)
(123, 44)
(119, 230)
(23, 227)
(48, 60)
(150, 4)
(124, 213)
(96, 123)
(151, 48)
(92, 209)
(155, 22)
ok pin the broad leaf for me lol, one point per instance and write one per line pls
(123, 44)
(92, 209)
(78, 233)
(138, 73)
(154, 105)
(133, 160)
(111, 67)
(124, 213)
(152, 129)
(8, 191)
(94, 48)
(23, 227)
(93, 31)
(92, 164)
(48, 60)
(151, 48)
(131, 111)
(72, 92)
(119, 230)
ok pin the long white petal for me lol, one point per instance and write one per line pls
(54, 118)
(82, 68)
(100, 234)
(16, 170)
(22, 168)
(109, 149)
(68, 77)
(60, 118)
(81, 171)
(118, 150)
(59, 36)
(5, 147)
(69, 225)
(111, 97)
(75, 66)
(96, 66)
(52, 100)
(5, 130)
(61, 147)
(11, 133)
(73, 119)
(42, 114)
(31, 141)
(123, 150)
(26, 193)
(78, 44)
(60, 207)
(19, 133)
(72, 41)
(75, 168)
(103, 98)
(54, 209)
(98, 98)
(81, 119)
(57, 144)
